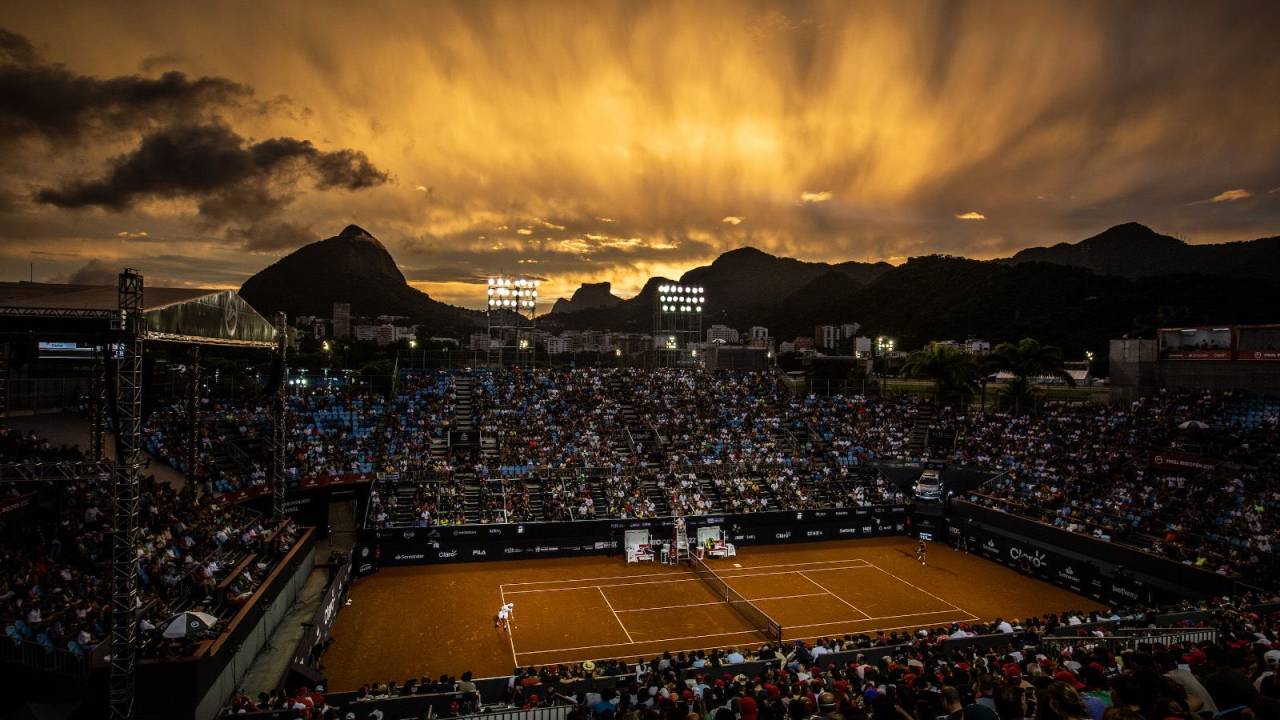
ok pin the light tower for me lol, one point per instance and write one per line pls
(511, 302)
(677, 324)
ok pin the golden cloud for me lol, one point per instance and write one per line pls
(1231, 195)
(629, 136)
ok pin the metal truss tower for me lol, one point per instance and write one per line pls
(278, 420)
(124, 516)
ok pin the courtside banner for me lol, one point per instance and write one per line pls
(1112, 586)
(469, 543)
(1181, 461)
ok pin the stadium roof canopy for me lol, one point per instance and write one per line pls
(187, 315)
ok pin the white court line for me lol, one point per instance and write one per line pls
(824, 589)
(510, 631)
(610, 577)
(615, 616)
(864, 563)
(718, 602)
(646, 642)
(688, 579)
(696, 637)
(589, 587)
(802, 564)
(881, 617)
(920, 589)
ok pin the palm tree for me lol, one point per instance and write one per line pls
(954, 372)
(1025, 360)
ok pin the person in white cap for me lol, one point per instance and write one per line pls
(1271, 665)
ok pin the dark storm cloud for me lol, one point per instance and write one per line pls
(232, 180)
(94, 272)
(269, 235)
(43, 99)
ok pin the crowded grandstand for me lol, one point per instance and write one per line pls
(586, 444)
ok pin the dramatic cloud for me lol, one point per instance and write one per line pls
(847, 130)
(48, 100)
(1231, 195)
(231, 180)
(731, 220)
(94, 272)
(971, 215)
(272, 235)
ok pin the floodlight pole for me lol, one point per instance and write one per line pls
(193, 412)
(124, 518)
(278, 421)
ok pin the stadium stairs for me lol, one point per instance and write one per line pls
(919, 441)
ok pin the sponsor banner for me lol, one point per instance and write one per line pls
(1075, 574)
(305, 484)
(512, 541)
(364, 559)
(661, 527)
(1258, 355)
(1182, 461)
(1178, 581)
(1198, 354)
(14, 504)
(464, 438)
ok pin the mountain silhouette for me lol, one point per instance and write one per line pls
(350, 267)
(1126, 280)
(1135, 250)
(586, 297)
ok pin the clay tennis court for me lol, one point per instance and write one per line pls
(434, 619)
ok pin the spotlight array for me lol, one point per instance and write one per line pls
(512, 293)
(681, 298)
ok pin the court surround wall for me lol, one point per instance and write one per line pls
(1106, 571)
(515, 541)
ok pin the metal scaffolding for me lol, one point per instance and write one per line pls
(124, 516)
(46, 472)
(193, 412)
(98, 405)
(278, 420)
(4, 379)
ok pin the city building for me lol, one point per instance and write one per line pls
(342, 320)
(1232, 357)
(862, 347)
(631, 343)
(827, 337)
(595, 341)
(722, 334)
(366, 333)
(557, 345)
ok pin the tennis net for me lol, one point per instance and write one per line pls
(744, 607)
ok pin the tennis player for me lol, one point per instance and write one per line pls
(505, 615)
(922, 553)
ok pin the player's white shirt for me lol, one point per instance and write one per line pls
(509, 608)
(503, 613)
